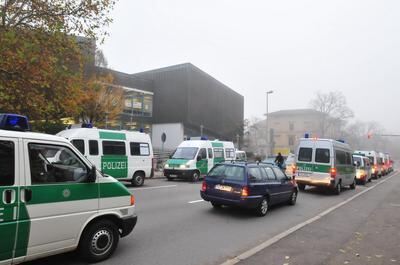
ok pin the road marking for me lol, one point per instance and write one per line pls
(196, 201)
(273, 240)
(154, 188)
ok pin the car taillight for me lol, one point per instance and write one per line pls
(245, 191)
(132, 200)
(294, 169)
(333, 172)
(204, 186)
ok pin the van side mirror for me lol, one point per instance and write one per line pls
(92, 175)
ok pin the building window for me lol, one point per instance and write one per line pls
(291, 126)
(291, 140)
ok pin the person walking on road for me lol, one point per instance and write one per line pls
(279, 160)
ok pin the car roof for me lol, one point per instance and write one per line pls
(246, 164)
(32, 136)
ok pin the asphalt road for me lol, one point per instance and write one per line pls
(175, 227)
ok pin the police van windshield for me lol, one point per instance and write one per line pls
(185, 153)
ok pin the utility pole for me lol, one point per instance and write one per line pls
(266, 126)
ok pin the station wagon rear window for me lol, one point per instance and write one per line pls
(322, 155)
(305, 154)
(227, 172)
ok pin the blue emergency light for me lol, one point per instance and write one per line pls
(14, 122)
(306, 135)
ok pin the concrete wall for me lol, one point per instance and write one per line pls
(173, 131)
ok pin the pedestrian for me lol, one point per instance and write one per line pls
(279, 160)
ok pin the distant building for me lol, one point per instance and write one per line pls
(285, 128)
(181, 94)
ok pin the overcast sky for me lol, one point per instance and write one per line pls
(294, 47)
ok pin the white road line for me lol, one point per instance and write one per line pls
(196, 201)
(286, 233)
(154, 188)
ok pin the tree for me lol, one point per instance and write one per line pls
(102, 100)
(334, 110)
(41, 66)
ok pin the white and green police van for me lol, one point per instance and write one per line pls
(125, 155)
(53, 205)
(325, 163)
(194, 158)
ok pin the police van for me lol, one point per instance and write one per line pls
(325, 163)
(125, 155)
(363, 168)
(376, 162)
(53, 205)
(194, 158)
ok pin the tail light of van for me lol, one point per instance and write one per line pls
(245, 191)
(374, 169)
(203, 186)
(132, 200)
(294, 168)
(333, 172)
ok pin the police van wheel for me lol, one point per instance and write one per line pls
(195, 176)
(169, 178)
(138, 179)
(338, 188)
(99, 241)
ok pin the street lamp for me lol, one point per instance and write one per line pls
(266, 124)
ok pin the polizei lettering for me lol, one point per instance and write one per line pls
(114, 165)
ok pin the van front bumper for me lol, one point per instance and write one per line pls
(127, 225)
(177, 173)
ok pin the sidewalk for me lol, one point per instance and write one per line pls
(364, 231)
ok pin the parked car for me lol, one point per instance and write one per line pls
(249, 185)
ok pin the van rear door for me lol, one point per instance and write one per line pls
(9, 200)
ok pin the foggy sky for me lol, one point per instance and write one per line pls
(294, 47)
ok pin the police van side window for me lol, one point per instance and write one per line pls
(140, 149)
(55, 164)
(93, 148)
(340, 157)
(218, 153)
(203, 153)
(114, 148)
(322, 155)
(7, 163)
(305, 154)
(210, 154)
(230, 153)
(80, 145)
(349, 160)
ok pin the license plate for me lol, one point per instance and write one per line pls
(301, 174)
(223, 188)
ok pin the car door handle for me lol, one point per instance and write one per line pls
(8, 196)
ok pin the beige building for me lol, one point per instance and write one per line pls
(285, 128)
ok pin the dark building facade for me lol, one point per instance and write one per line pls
(181, 94)
(185, 94)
